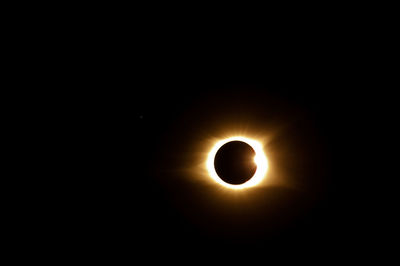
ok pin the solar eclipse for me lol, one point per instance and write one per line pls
(238, 168)
(228, 169)
(237, 162)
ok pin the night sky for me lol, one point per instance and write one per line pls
(149, 195)
(150, 124)
(131, 104)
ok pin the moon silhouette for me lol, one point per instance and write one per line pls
(234, 162)
(237, 162)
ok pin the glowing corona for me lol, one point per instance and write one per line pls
(260, 159)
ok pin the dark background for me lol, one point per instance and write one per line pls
(144, 126)
(146, 106)
(124, 97)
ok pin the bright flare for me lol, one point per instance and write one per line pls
(260, 159)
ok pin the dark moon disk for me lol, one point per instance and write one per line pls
(234, 162)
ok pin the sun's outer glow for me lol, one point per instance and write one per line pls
(260, 159)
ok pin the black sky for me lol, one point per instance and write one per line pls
(145, 119)
(129, 98)
(150, 124)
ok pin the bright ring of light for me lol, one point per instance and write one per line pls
(260, 159)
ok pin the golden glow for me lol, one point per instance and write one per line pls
(260, 159)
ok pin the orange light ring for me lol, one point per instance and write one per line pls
(260, 159)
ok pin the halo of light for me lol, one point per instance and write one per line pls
(260, 159)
